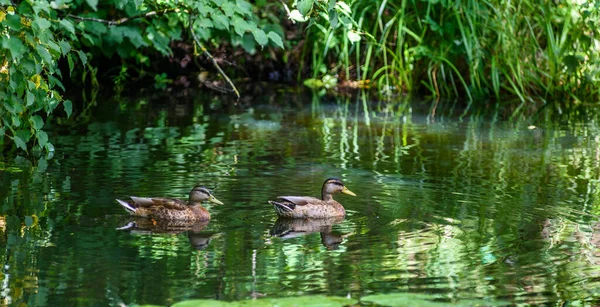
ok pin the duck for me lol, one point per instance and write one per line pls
(306, 207)
(172, 208)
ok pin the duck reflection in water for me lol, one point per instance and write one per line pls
(287, 228)
(144, 226)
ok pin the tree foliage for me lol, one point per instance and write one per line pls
(36, 34)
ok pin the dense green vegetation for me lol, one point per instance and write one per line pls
(535, 52)
(36, 35)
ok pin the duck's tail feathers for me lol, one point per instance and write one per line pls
(283, 209)
(126, 206)
(127, 226)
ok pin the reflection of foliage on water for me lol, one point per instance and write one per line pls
(472, 209)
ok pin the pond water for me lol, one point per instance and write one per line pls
(453, 207)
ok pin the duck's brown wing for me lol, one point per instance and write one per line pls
(167, 203)
(300, 200)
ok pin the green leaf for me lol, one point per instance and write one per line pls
(42, 138)
(36, 122)
(276, 39)
(65, 47)
(16, 121)
(68, 105)
(295, 15)
(30, 98)
(304, 6)
(49, 146)
(204, 33)
(240, 26)
(260, 36)
(13, 22)
(353, 36)
(331, 5)
(82, 57)
(41, 23)
(243, 7)
(200, 303)
(54, 48)
(19, 142)
(134, 36)
(333, 19)
(93, 4)
(67, 25)
(71, 63)
(115, 35)
(344, 8)
(228, 8)
(417, 299)
(15, 46)
(221, 21)
(44, 54)
(205, 23)
(55, 81)
(249, 44)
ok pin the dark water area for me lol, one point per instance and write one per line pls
(455, 207)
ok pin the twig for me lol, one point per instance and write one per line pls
(125, 19)
(287, 10)
(212, 59)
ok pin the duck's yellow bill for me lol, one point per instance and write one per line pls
(346, 191)
(212, 199)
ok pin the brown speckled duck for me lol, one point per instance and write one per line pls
(172, 208)
(311, 207)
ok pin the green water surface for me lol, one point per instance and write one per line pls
(455, 207)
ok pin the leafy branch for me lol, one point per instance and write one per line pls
(212, 59)
(126, 19)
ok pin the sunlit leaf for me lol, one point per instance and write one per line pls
(295, 15)
(309, 300)
(260, 36)
(353, 36)
(304, 6)
(344, 8)
(36, 79)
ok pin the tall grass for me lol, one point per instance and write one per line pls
(535, 51)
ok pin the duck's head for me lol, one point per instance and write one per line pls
(200, 194)
(334, 185)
